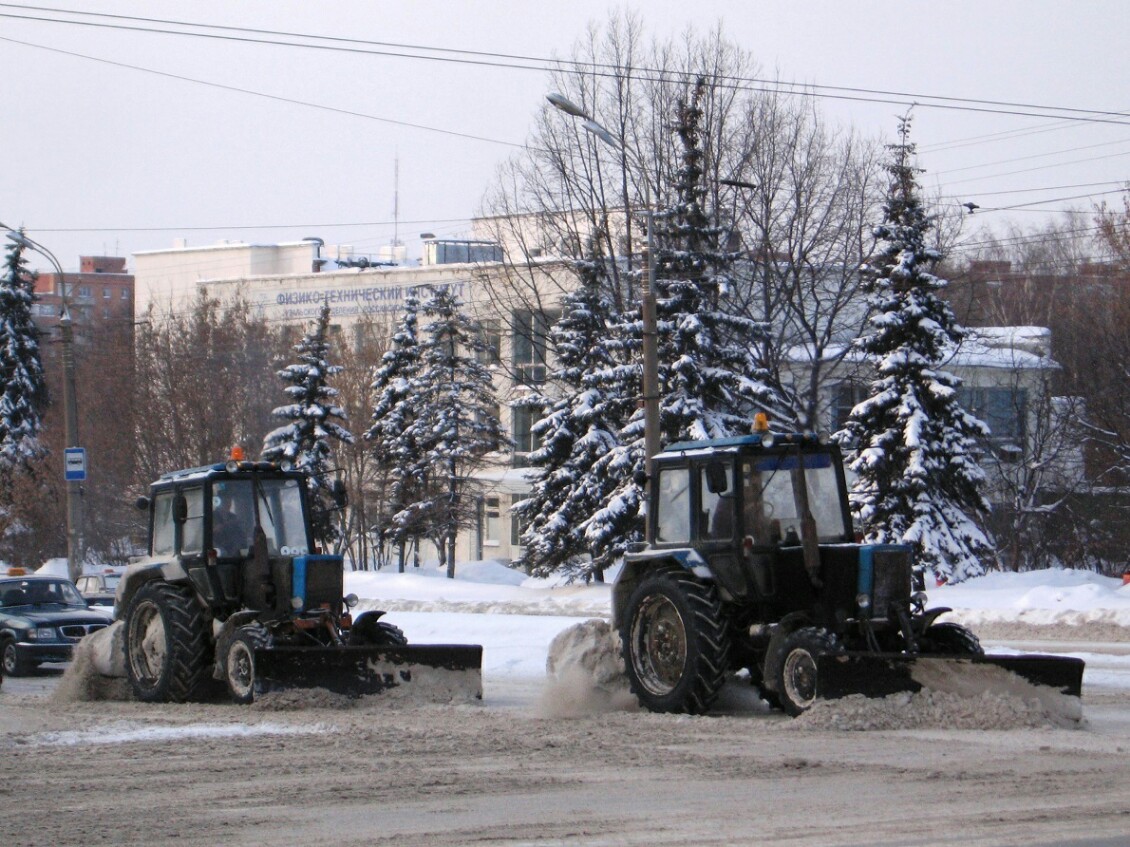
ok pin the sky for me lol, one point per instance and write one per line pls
(116, 141)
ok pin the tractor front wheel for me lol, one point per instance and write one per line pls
(950, 639)
(792, 664)
(369, 631)
(674, 640)
(239, 661)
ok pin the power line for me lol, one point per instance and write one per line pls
(245, 226)
(1030, 170)
(519, 62)
(276, 97)
(1050, 188)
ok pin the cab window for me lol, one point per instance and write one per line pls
(164, 530)
(673, 509)
(192, 533)
(717, 505)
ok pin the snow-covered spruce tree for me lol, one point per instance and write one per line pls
(917, 479)
(306, 440)
(21, 369)
(456, 423)
(709, 380)
(391, 436)
(597, 393)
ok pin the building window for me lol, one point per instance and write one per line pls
(84, 291)
(491, 522)
(531, 334)
(106, 293)
(491, 336)
(125, 293)
(848, 395)
(517, 524)
(1004, 409)
(525, 439)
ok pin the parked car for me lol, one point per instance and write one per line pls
(42, 618)
(99, 589)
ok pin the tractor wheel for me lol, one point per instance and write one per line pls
(676, 650)
(950, 639)
(239, 661)
(168, 652)
(792, 662)
(13, 664)
(369, 631)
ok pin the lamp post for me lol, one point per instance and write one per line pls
(70, 407)
(647, 289)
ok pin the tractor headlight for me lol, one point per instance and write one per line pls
(767, 439)
(350, 601)
(863, 601)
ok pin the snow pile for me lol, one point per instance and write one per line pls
(928, 709)
(1098, 607)
(97, 671)
(485, 572)
(486, 587)
(586, 673)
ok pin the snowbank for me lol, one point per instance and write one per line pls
(1049, 597)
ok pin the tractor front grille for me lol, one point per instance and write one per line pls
(891, 577)
(323, 581)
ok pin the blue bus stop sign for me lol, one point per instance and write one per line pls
(74, 464)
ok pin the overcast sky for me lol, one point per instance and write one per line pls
(112, 143)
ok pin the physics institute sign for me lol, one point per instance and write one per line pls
(281, 302)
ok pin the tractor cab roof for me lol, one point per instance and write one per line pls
(755, 441)
(229, 468)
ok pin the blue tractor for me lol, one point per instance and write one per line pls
(751, 563)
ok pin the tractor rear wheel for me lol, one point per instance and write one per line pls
(792, 664)
(168, 652)
(239, 661)
(675, 646)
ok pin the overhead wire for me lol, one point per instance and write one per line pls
(1072, 116)
(519, 62)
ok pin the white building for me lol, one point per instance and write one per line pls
(1005, 371)
(288, 283)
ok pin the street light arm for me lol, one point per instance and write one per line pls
(560, 101)
(30, 244)
(648, 317)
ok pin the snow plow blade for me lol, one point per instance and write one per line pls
(432, 672)
(881, 674)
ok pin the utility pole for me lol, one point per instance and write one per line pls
(70, 414)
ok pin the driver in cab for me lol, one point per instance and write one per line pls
(232, 521)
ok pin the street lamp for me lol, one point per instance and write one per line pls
(70, 407)
(647, 289)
